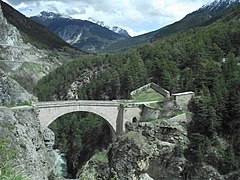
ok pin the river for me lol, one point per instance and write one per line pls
(60, 164)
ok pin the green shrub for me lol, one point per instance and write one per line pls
(6, 158)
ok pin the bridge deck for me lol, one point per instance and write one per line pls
(75, 103)
(87, 103)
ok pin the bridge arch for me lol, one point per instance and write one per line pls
(50, 111)
(105, 118)
(114, 113)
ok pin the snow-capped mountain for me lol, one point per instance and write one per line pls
(51, 15)
(83, 34)
(115, 29)
(218, 5)
(45, 18)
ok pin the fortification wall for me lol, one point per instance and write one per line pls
(140, 89)
(162, 91)
(182, 99)
(149, 113)
(154, 86)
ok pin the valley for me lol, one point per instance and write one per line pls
(164, 105)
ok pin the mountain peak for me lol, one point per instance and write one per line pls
(52, 15)
(218, 5)
(115, 29)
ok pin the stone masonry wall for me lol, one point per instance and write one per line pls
(154, 86)
(182, 99)
(162, 91)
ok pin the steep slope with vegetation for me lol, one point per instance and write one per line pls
(204, 60)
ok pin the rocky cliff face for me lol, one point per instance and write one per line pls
(14, 51)
(33, 146)
(29, 51)
(9, 34)
(151, 151)
(148, 151)
(11, 92)
(16, 54)
(19, 124)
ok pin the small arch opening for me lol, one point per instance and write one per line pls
(134, 120)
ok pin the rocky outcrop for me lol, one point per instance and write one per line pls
(156, 151)
(151, 150)
(203, 171)
(22, 128)
(49, 138)
(130, 156)
(11, 92)
(147, 151)
(95, 168)
(84, 79)
(9, 34)
(20, 58)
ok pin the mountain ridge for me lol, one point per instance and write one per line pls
(82, 34)
(200, 17)
(218, 5)
(115, 29)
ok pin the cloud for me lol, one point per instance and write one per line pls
(136, 16)
(74, 11)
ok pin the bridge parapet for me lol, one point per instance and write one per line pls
(75, 103)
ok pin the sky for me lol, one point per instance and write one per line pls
(136, 16)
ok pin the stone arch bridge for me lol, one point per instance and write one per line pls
(115, 113)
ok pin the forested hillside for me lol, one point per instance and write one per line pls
(199, 18)
(204, 60)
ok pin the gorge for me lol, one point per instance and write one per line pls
(54, 96)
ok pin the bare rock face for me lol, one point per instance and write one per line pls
(82, 80)
(12, 92)
(21, 58)
(9, 34)
(95, 168)
(151, 151)
(130, 156)
(14, 51)
(156, 151)
(49, 138)
(21, 126)
(204, 171)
